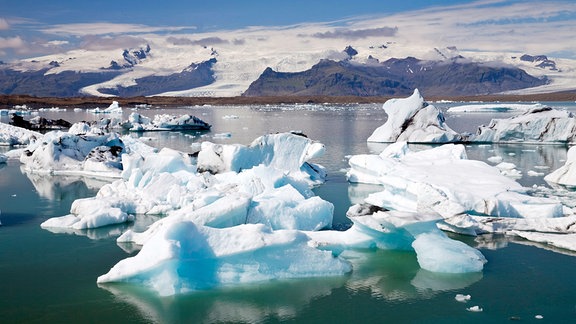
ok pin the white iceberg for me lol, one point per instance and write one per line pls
(538, 125)
(16, 136)
(164, 122)
(443, 181)
(566, 174)
(60, 152)
(498, 107)
(285, 151)
(385, 229)
(184, 257)
(276, 191)
(114, 108)
(413, 120)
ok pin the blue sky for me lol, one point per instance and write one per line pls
(32, 27)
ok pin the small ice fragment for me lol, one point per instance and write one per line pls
(538, 317)
(475, 309)
(462, 298)
(495, 159)
(222, 135)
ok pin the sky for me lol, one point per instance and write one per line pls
(30, 28)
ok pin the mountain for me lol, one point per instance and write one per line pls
(228, 68)
(395, 77)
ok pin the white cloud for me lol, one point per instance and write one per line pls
(104, 28)
(56, 43)
(11, 42)
(4, 25)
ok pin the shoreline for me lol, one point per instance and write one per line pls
(8, 101)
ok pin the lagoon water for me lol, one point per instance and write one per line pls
(50, 277)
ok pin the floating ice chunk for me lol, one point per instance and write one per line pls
(475, 309)
(415, 121)
(283, 151)
(88, 154)
(3, 158)
(184, 257)
(491, 108)
(89, 213)
(442, 180)
(114, 108)
(287, 208)
(164, 122)
(495, 159)
(438, 253)
(542, 124)
(405, 231)
(15, 136)
(566, 174)
(563, 241)
(462, 298)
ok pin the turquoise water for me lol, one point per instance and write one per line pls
(50, 277)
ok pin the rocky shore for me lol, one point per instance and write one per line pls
(8, 101)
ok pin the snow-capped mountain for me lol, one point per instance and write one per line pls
(226, 64)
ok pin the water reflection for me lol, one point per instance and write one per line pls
(64, 187)
(390, 275)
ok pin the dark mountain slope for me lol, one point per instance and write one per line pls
(394, 77)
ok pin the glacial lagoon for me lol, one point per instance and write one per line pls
(51, 277)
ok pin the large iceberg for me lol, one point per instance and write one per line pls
(184, 257)
(167, 183)
(540, 124)
(442, 180)
(414, 120)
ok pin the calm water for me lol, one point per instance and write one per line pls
(50, 277)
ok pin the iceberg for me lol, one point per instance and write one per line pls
(114, 108)
(286, 151)
(414, 120)
(60, 152)
(442, 180)
(17, 136)
(537, 125)
(275, 192)
(184, 257)
(491, 108)
(566, 174)
(375, 227)
(164, 122)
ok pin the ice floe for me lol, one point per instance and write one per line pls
(491, 108)
(163, 122)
